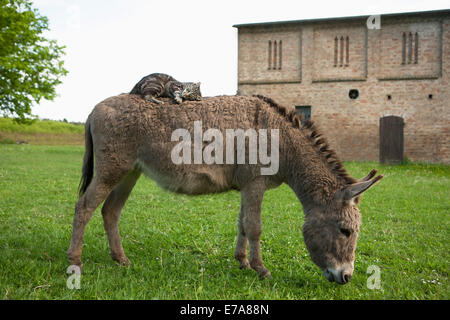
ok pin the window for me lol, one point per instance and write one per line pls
(341, 51)
(304, 112)
(403, 48)
(280, 51)
(335, 51)
(410, 48)
(347, 49)
(275, 52)
(416, 47)
(353, 94)
(274, 64)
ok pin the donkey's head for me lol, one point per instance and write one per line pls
(330, 231)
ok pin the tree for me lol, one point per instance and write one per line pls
(30, 65)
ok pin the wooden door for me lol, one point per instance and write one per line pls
(391, 139)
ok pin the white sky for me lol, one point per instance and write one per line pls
(112, 44)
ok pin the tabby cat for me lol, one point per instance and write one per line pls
(162, 85)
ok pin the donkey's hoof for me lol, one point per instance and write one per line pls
(75, 261)
(265, 275)
(244, 265)
(122, 261)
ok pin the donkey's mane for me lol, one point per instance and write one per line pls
(314, 136)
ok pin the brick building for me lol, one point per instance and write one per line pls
(347, 76)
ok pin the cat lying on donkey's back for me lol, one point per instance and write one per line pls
(162, 85)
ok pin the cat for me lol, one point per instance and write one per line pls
(162, 85)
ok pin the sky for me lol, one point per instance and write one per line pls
(112, 44)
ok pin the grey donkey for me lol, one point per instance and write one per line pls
(129, 136)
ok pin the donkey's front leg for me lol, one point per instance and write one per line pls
(240, 254)
(250, 222)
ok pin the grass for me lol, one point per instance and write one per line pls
(41, 132)
(182, 247)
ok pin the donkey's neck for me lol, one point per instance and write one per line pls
(306, 170)
(307, 163)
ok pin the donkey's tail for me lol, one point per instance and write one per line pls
(88, 161)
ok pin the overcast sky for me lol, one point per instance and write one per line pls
(112, 44)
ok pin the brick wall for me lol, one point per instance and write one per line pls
(381, 63)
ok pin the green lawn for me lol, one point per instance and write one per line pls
(182, 247)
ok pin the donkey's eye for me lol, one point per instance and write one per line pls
(345, 232)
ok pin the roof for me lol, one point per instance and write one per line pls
(306, 21)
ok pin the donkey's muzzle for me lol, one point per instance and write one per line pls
(341, 276)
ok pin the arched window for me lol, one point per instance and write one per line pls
(416, 48)
(274, 66)
(410, 48)
(275, 55)
(336, 51)
(341, 51)
(403, 48)
(347, 51)
(280, 51)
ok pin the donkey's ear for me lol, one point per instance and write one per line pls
(369, 176)
(357, 188)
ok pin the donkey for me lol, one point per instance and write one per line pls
(130, 136)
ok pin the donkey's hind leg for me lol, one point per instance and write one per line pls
(94, 195)
(111, 212)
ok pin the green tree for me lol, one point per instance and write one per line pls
(30, 64)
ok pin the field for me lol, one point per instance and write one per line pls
(41, 132)
(182, 247)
